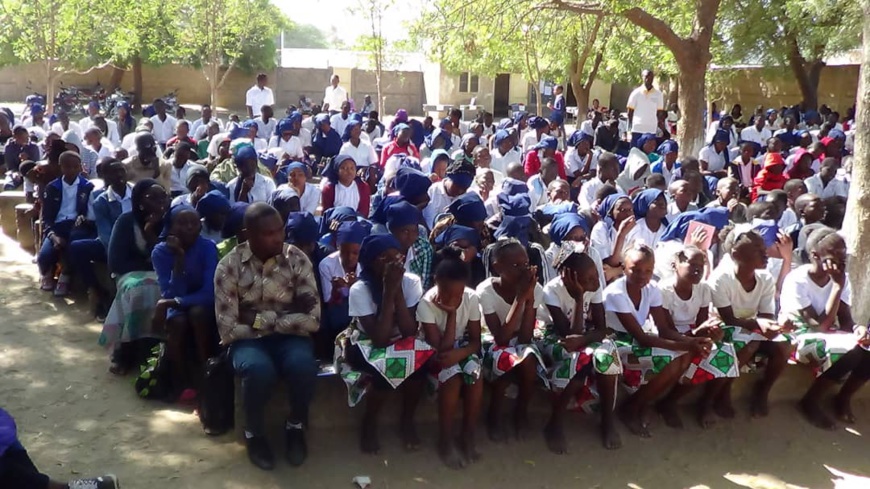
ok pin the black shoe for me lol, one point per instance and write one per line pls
(297, 449)
(259, 453)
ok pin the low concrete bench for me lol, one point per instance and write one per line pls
(8, 219)
(25, 218)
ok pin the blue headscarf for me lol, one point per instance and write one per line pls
(331, 170)
(553, 210)
(235, 220)
(514, 205)
(837, 134)
(128, 119)
(606, 207)
(714, 216)
(536, 122)
(283, 196)
(213, 203)
(170, 216)
(512, 186)
(445, 122)
(515, 227)
(504, 124)
(668, 146)
(333, 217)
(327, 144)
(284, 125)
(500, 136)
(721, 136)
(372, 247)
(245, 153)
(437, 155)
(294, 117)
(418, 132)
(411, 183)
(644, 199)
(641, 141)
(564, 224)
(439, 133)
(467, 208)
(547, 142)
(404, 160)
(348, 128)
(579, 136)
(301, 228)
(456, 232)
(397, 129)
(403, 213)
(767, 230)
(519, 116)
(379, 216)
(352, 232)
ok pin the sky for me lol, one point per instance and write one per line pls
(335, 16)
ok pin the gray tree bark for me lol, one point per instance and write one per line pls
(857, 223)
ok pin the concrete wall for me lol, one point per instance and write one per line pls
(776, 87)
(401, 90)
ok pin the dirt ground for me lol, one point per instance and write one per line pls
(76, 419)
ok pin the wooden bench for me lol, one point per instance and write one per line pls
(8, 219)
(24, 220)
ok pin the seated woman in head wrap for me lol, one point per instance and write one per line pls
(570, 227)
(538, 128)
(714, 156)
(284, 144)
(198, 184)
(581, 159)
(467, 240)
(409, 184)
(343, 187)
(547, 148)
(467, 210)
(517, 223)
(638, 164)
(650, 208)
(358, 147)
(233, 232)
(404, 222)
(297, 179)
(214, 209)
(338, 272)
(609, 234)
(436, 165)
(726, 123)
(439, 139)
(466, 147)
(249, 186)
(400, 143)
(459, 177)
(667, 165)
(187, 299)
(771, 176)
(129, 260)
(325, 142)
(380, 351)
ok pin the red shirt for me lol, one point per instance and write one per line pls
(393, 148)
(532, 164)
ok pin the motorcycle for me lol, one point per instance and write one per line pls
(110, 106)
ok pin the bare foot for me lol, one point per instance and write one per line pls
(521, 425)
(469, 449)
(496, 430)
(706, 417)
(634, 422)
(410, 439)
(450, 455)
(610, 437)
(555, 437)
(814, 414)
(368, 441)
(669, 413)
(843, 408)
(759, 406)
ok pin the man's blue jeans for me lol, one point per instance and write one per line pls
(260, 361)
(48, 256)
(83, 255)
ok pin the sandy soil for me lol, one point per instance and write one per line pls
(76, 419)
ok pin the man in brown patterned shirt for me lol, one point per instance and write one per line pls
(267, 307)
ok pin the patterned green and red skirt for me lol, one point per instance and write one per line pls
(394, 363)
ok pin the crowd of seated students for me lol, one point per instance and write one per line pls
(495, 259)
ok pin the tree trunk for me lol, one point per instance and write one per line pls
(857, 223)
(806, 73)
(539, 110)
(115, 80)
(49, 87)
(691, 100)
(582, 96)
(137, 81)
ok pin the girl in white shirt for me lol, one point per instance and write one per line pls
(654, 356)
(650, 208)
(715, 155)
(510, 303)
(449, 316)
(688, 299)
(383, 334)
(609, 234)
(817, 298)
(744, 296)
(582, 363)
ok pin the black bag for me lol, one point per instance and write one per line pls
(217, 397)
(155, 378)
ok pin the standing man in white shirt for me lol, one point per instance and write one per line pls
(333, 96)
(163, 124)
(258, 96)
(643, 105)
